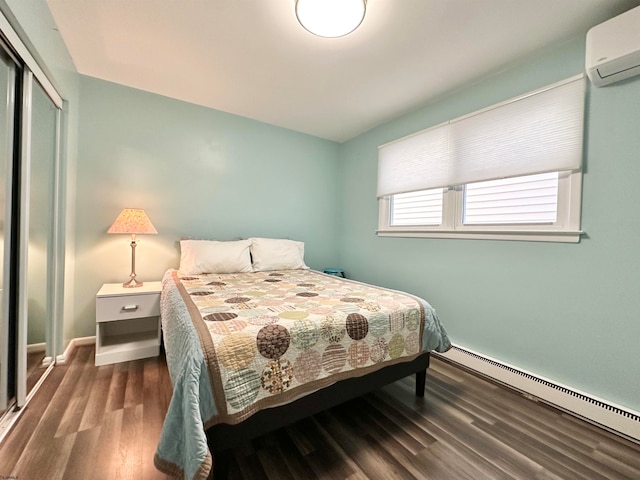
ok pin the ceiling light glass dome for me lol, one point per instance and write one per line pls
(330, 18)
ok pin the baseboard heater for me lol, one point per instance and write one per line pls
(615, 418)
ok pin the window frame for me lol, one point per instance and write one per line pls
(566, 229)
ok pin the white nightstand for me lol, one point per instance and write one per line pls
(127, 322)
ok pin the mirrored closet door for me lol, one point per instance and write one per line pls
(40, 137)
(30, 249)
(8, 85)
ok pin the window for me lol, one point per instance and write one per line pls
(417, 208)
(520, 200)
(510, 171)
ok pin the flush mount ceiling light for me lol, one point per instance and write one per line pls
(330, 18)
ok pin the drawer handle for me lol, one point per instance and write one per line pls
(130, 308)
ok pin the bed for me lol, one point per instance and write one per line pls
(252, 346)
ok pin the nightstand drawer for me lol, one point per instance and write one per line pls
(109, 309)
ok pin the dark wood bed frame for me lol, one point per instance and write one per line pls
(224, 438)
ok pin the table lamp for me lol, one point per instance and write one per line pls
(133, 221)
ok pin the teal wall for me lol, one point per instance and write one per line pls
(568, 312)
(197, 172)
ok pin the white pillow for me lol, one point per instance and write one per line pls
(277, 254)
(210, 256)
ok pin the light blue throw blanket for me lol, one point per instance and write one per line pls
(183, 450)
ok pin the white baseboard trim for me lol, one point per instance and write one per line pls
(36, 347)
(73, 343)
(616, 418)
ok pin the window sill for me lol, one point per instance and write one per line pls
(517, 235)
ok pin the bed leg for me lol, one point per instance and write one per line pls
(421, 378)
(221, 465)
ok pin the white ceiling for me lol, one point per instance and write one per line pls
(252, 58)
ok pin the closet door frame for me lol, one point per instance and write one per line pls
(31, 71)
(23, 242)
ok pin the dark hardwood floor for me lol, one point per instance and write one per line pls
(90, 422)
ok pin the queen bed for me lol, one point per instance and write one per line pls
(255, 340)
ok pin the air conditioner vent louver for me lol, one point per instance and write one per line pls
(613, 49)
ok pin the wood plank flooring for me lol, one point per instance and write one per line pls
(90, 422)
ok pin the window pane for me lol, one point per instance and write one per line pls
(417, 208)
(529, 199)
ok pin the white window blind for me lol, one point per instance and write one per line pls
(531, 199)
(538, 132)
(402, 165)
(417, 208)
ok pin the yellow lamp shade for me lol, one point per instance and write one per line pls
(132, 221)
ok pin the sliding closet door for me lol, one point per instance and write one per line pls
(30, 240)
(38, 206)
(8, 77)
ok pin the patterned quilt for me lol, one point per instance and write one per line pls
(268, 338)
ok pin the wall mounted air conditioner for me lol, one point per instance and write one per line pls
(613, 49)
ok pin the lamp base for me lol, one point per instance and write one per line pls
(133, 283)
